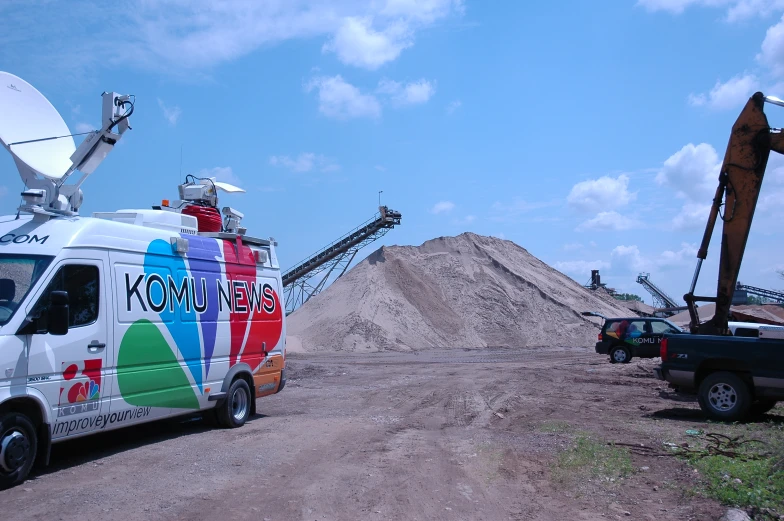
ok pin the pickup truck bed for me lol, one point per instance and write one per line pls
(734, 377)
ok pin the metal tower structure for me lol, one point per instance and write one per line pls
(596, 283)
(302, 282)
(660, 298)
(742, 292)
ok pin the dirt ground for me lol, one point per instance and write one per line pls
(438, 435)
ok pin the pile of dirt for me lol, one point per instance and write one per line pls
(464, 291)
(760, 314)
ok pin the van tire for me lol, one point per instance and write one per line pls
(234, 411)
(724, 396)
(18, 448)
(620, 355)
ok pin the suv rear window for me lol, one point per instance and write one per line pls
(623, 328)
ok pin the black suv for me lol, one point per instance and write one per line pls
(625, 338)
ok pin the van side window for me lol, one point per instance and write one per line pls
(659, 328)
(82, 284)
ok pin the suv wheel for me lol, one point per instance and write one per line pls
(724, 396)
(620, 355)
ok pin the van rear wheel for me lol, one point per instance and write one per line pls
(235, 409)
(18, 447)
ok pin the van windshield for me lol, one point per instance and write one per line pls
(18, 274)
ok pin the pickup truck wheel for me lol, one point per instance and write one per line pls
(18, 446)
(760, 407)
(620, 355)
(724, 396)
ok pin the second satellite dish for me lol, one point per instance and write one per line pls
(26, 115)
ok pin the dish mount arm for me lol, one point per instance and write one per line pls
(46, 195)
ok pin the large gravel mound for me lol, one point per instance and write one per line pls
(464, 291)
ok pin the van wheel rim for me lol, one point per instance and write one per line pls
(239, 404)
(14, 450)
(619, 355)
(722, 397)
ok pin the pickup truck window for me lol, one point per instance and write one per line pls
(18, 274)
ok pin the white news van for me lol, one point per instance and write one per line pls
(123, 317)
(129, 317)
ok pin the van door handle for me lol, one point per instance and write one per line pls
(95, 346)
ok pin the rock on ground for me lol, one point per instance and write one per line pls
(734, 514)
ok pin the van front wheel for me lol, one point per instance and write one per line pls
(18, 446)
(235, 409)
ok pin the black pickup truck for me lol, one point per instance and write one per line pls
(735, 377)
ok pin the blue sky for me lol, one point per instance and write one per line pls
(589, 133)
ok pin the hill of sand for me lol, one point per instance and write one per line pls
(464, 291)
(762, 314)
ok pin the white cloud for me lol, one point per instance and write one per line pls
(468, 219)
(3, 190)
(305, 162)
(602, 193)
(744, 9)
(502, 212)
(671, 6)
(693, 172)
(380, 168)
(171, 114)
(628, 259)
(426, 11)
(413, 93)
(729, 95)
(736, 10)
(357, 43)
(220, 173)
(442, 207)
(340, 100)
(772, 49)
(82, 127)
(581, 267)
(573, 246)
(453, 106)
(179, 37)
(692, 216)
(611, 220)
(685, 256)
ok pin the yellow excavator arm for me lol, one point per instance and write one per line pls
(740, 179)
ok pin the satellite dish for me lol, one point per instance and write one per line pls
(26, 115)
(226, 187)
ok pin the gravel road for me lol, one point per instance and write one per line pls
(438, 435)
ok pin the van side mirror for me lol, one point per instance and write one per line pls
(58, 314)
